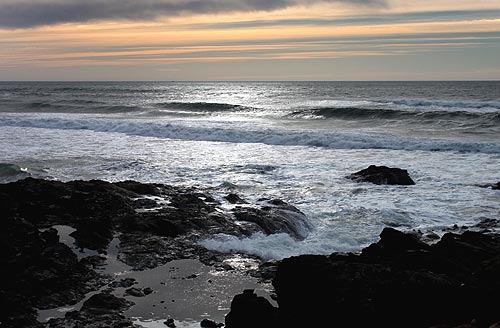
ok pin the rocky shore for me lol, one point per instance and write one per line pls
(154, 223)
(399, 281)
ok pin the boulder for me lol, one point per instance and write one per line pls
(207, 323)
(105, 303)
(249, 310)
(383, 175)
(276, 216)
(138, 292)
(235, 199)
(170, 323)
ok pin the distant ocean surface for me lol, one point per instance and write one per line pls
(296, 141)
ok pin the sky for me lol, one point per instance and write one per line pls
(178, 40)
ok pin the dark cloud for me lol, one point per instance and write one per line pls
(31, 13)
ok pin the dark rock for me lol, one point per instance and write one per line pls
(494, 186)
(93, 233)
(276, 216)
(95, 261)
(448, 283)
(266, 271)
(235, 199)
(125, 283)
(99, 311)
(249, 310)
(488, 224)
(207, 323)
(136, 292)
(105, 303)
(170, 323)
(40, 272)
(394, 243)
(382, 175)
(141, 188)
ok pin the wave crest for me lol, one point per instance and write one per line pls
(250, 134)
(12, 172)
(359, 113)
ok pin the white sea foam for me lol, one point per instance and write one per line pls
(422, 104)
(484, 106)
(249, 133)
(276, 246)
(243, 138)
(279, 246)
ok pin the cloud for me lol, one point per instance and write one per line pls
(32, 13)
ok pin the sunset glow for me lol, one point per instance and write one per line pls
(324, 40)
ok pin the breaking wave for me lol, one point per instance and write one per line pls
(12, 172)
(485, 105)
(250, 134)
(359, 113)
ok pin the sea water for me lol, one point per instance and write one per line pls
(296, 141)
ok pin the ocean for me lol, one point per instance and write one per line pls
(296, 141)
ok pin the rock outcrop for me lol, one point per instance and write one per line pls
(275, 216)
(249, 310)
(383, 175)
(99, 311)
(397, 282)
(155, 224)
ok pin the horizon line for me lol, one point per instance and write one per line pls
(241, 81)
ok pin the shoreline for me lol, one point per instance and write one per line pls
(137, 242)
(126, 234)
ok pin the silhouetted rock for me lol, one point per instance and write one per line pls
(249, 310)
(235, 199)
(494, 186)
(383, 175)
(207, 323)
(155, 223)
(38, 271)
(397, 282)
(105, 303)
(99, 311)
(448, 283)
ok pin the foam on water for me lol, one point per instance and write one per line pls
(292, 141)
(242, 132)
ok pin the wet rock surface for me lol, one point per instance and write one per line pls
(275, 216)
(154, 223)
(396, 282)
(383, 175)
(100, 311)
(38, 271)
(399, 281)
